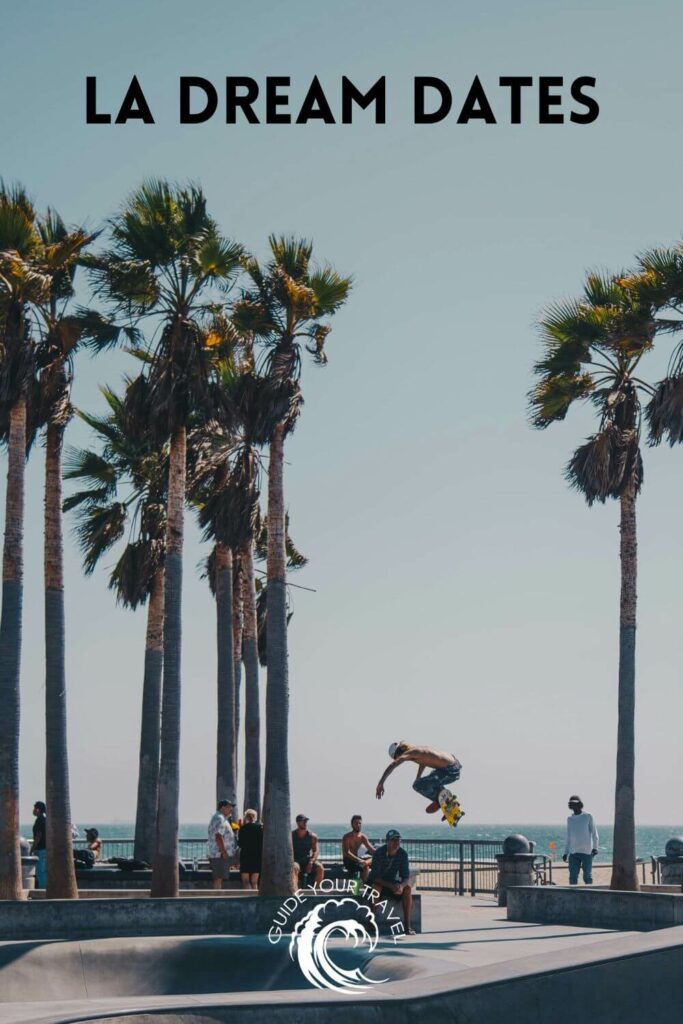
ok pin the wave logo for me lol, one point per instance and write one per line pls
(310, 944)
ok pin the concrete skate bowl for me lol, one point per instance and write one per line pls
(57, 980)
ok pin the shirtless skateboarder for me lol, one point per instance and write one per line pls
(446, 769)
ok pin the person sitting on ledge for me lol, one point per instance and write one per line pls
(390, 876)
(357, 850)
(305, 845)
(94, 842)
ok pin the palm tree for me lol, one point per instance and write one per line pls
(60, 334)
(252, 700)
(287, 302)
(593, 348)
(20, 285)
(166, 259)
(126, 485)
(237, 630)
(295, 560)
(661, 273)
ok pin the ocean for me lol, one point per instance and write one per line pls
(650, 839)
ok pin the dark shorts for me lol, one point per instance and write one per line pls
(352, 866)
(432, 784)
(305, 879)
(250, 866)
(220, 867)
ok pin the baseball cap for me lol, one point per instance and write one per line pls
(393, 833)
(302, 817)
(393, 747)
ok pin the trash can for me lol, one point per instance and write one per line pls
(28, 865)
(515, 865)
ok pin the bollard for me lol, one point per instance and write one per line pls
(515, 865)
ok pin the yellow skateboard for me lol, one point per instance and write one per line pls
(450, 808)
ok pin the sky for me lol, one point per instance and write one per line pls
(463, 595)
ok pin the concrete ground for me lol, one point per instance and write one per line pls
(459, 935)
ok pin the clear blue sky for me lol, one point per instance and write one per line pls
(464, 596)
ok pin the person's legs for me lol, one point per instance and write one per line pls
(407, 899)
(254, 879)
(218, 871)
(318, 872)
(41, 869)
(246, 880)
(587, 865)
(431, 785)
(574, 865)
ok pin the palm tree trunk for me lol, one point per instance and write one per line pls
(277, 875)
(252, 713)
(624, 875)
(10, 655)
(61, 874)
(165, 867)
(225, 737)
(150, 729)
(237, 653)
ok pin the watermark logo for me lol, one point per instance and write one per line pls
(310, 939)
(346, 918)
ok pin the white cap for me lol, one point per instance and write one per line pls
(393, 747)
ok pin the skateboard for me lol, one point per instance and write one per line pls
(450, 808)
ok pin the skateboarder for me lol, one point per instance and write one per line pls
(446, 769)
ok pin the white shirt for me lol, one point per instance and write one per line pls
(582, 835)
(219, 825)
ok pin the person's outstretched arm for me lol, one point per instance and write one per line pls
(379, 792)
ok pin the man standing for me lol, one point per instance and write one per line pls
(446, 769)
(356, 850)
(38, 846)
(305, 846)
(390, 875)
(221, 845)
(582, 842)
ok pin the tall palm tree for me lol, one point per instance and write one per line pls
(295, 560)
(237, 631)
(125, 482)
(166, 260)
(660, 272)
(593, 349)
(59, 336)
(252, 699)
(20, 285)
(225, 481)
(286, 304)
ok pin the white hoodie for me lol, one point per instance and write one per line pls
(582, 835)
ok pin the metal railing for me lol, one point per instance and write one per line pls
(461, 866)
(444, 865)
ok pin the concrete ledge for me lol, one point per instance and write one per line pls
(143, 894)
(589, 907)
(202, 915)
